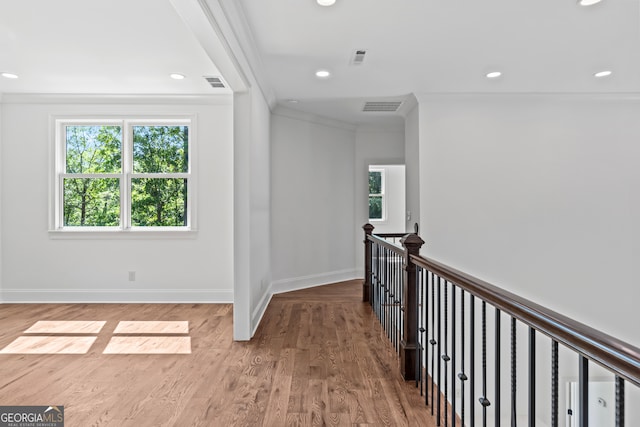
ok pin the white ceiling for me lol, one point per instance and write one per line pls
(97, 47)
(413, 46)
(429, 46)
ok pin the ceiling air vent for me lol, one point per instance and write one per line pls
(215, 82)
(358, 56)
(382, 106)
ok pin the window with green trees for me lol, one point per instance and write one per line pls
(376, 194)
(123, 174)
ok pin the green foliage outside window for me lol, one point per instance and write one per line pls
(94, 149)
(160, 149)
(375, 207)
(98, 150)
(375, 195)
(92, 201)
(375, 182)
(159, 201)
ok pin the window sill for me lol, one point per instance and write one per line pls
(117, 234)
(378, 221)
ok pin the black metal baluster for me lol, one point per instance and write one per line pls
(378, 287)
(513, 372)
(483, 399)
(374, 280)
(425, 322)
(387, 291)
(387, 282)
(392, 296)
(532, 377)
(433, 333)
(472, 359)
(619, 402)
(497, 368)
(400, 304)
(445, 356)
(583, 393)
(554, 383)
(394, 302)
(378, 282)
(421, 330)
(390, 285)
(438, 316)
(383, 290)
(462, 375)
(389, 305)
(453, 355)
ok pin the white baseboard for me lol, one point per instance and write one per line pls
(261, 308)
(298, 283)
(32, 296)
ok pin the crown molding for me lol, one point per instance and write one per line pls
(239, 26)
(142, 99)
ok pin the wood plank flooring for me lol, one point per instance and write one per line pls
(318, 359)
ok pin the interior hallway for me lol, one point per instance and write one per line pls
(318, 358)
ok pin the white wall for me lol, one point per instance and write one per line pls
(412, 177)
(1, 149)
(538, 194)
(39, 268)
(312, 216)
(252, 188)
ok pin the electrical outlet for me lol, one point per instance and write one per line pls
(132, 276)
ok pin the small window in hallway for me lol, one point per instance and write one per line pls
(376, 194)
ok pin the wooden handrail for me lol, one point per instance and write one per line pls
(391, 235)
(617, 356)
(379, 239)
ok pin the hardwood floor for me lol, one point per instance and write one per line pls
(318, 358)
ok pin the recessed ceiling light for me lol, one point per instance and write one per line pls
(9, 75)
(176, 76)
(323, 74)
(494, 74)
(588, 2)
(605, 73)
(292, 101)
(326, 2)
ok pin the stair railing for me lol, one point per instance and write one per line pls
(447, 328)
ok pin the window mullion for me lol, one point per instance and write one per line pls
(127, 170)
(60, 167)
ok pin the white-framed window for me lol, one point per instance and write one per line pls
(377, 205)
(124, 174)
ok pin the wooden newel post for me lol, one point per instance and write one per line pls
(366, 284)
(409, 343)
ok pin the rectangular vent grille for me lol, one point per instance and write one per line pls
(358, 57)
(382, 106)
(215, 82)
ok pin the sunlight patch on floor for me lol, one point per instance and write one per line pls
(149, 345)
(66, 327)
(152, 327)
(49, 345)
(151, 337)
